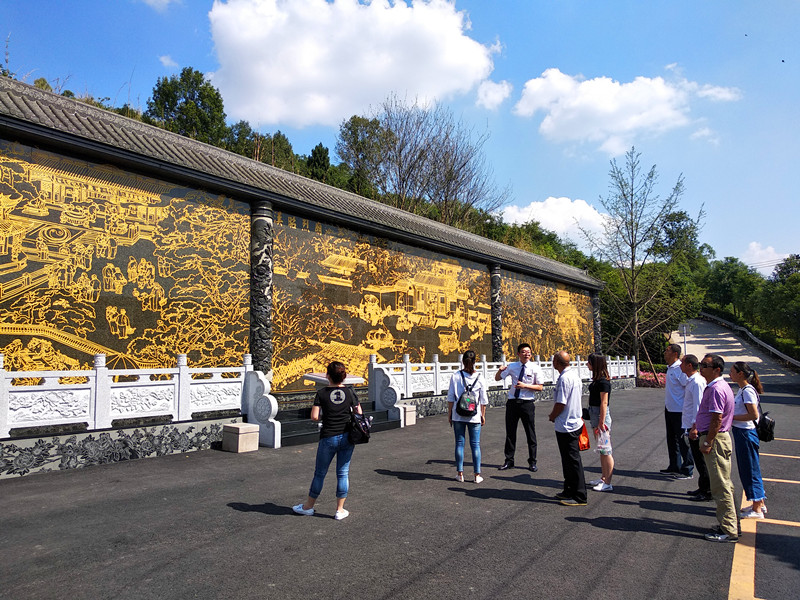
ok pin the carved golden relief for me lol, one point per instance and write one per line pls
(549, 316)
(339, 295)
(97, 260)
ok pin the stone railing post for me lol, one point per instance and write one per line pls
(407, 376)
(4, 428)
(247, 363)
(184, 389)
(372, 380)
(102, 393)
(437, 382)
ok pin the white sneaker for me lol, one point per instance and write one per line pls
(478, 478)
(341, 514)
(594, 482)
(303, 511)
(751, 514)
(603, 487)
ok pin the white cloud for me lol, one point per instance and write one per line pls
(167, 61)
(159, 5)
(561, 215)
(707, 134)
(308, 62)
(762, 259)
(609, 113)
(491, 95)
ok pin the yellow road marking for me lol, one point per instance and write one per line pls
(779, 455)
(743, 569)
(785, 440)
(779, 480)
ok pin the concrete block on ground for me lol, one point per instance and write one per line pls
(409, 413)
(240, 437)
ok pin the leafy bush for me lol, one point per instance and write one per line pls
(645, 367)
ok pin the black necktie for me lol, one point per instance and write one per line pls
(518, 391)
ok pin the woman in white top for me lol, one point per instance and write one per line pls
(745, 437)
(465, 379)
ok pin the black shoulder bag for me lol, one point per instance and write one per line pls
(360, 426)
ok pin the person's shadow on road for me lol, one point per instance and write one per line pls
(268, 508)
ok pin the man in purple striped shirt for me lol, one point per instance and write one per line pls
(711, 427)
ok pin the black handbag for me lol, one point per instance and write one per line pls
(360, 426)
(765, 427)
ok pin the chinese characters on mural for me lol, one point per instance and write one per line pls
(97, 260)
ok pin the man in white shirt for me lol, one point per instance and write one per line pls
(566, 416)
(681, 465)
(692, 394)
(526, 379)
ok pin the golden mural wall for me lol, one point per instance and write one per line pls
(547, 315)
(98, 260)
(339, 295)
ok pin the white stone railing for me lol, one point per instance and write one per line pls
(391, 382)
(54, 397)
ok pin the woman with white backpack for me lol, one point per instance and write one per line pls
(467, 401)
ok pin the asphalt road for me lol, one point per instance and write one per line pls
(212, 524)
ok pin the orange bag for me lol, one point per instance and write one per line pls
(583, 439)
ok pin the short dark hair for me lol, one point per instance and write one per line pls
(337, 372)
(691, 359)
(523, 345)
(675, 348)
(717, 362)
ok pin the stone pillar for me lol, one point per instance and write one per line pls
(598, 338)
(261, 233)
(497, 314)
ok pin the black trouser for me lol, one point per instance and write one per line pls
(572, 465)
(680, 455)
(516, 411)
(702, 471)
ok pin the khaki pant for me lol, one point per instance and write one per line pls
(718, 463)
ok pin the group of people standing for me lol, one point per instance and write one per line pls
(700, 412)
(704, 423)
(567, 417)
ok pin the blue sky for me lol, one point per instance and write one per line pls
(704, 89)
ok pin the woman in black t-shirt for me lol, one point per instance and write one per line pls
(600, 418)
(334, 403)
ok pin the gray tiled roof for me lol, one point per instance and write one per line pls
(31, 115)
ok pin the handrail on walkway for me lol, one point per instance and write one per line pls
(391, 382)
(754, 339)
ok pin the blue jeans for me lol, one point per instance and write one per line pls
(459, 428)
(746, 445)
(339, 446)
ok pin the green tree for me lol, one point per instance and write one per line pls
(189, 105)
(731, 283)
(645, 300)
(42, 84)
(358, 145)
(787, 267)
(276, 150)
(318, 163)
(241, 139)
